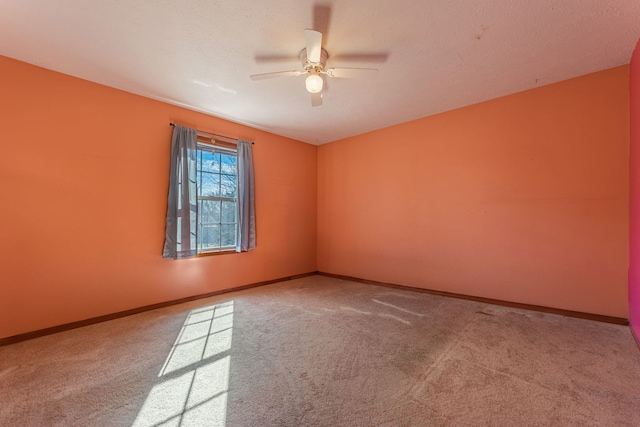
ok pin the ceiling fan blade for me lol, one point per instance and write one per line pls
(316, 99)
(274, 75)
(350, 73)
(313, 42)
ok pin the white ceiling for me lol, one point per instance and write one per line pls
(433, 56)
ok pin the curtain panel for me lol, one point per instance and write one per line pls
(246, 239)
(182, 208)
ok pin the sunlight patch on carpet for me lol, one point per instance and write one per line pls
(192, 386)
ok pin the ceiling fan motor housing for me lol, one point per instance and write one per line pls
(313, 67)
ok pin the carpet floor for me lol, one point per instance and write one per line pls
(320, 351)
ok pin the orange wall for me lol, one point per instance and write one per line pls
(83, 183)
(523, 198)
(634, 202)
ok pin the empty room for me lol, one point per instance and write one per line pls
(320, 213)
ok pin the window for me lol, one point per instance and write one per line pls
(217, 185)
(211, 202)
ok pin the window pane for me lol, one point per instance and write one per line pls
(209, 236)
(210, 162)
(228, 164)
(228, 234)
(228, 212)
(210, 185)
(216, 174)
(215, 165)
(229, 185)
(209, 211)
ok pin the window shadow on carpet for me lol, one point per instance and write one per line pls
(193, 383)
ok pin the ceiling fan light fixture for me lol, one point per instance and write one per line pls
(313, 83)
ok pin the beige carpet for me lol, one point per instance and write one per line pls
(325, 352)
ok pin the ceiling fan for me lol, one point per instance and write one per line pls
(314, 60)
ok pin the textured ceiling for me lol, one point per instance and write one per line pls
(433, 56)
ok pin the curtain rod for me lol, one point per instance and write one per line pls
(213, 134)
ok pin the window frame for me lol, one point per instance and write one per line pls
(208, 146)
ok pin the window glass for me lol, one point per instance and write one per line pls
(217, 199)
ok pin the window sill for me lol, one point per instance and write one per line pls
(223, 252)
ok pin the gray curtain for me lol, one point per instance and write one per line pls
(246, 212)
(182, 209)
